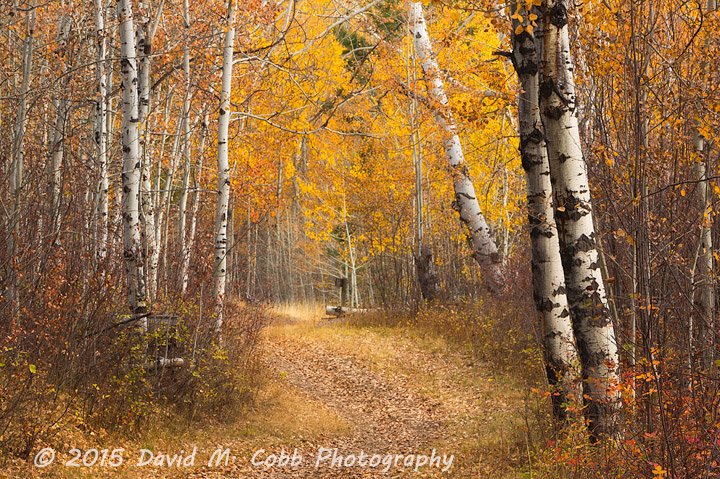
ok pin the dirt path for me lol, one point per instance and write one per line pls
(393, 397)
(386, 417)
(380, 402)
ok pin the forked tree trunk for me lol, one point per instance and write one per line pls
(221, 218)
(132, 169)
(561, 355)
(591, 317)
(466, 203)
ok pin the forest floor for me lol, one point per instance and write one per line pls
(334, 388)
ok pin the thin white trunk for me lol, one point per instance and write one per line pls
(184, 273)
(56, 161)
(18, 163)
(132, 170)
(561, 355)
(182, 207)
(101, 131)
(466, 203)
(148, 216)
(705, 255)
(145, 36)
(592, 321)
(159, 200)
(221, 218)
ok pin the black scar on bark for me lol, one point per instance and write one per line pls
(523, 57)
(535, 232)
(528, 161)
(418, 35)
(545, 304)
(535, 136)
(558, 15)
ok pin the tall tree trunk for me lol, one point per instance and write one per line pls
(592, 322)
(561, 355)
(58, 151)
(164, 194)
(466, 203)
(221, 218)
(145, 37)
(132, 168)
(17, 165)
(185, 270)
(705, 282)
(101, 132)
(187, 167)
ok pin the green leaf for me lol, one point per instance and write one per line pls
(33, 369)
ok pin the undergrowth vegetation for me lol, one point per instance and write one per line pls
(115, 373)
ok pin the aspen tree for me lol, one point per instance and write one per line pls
(132, 169)
(101, 108)
(185, 269)
(145, 37)
(594, 330)
(182, 216)
(561, 355)
(17, 164)
(705, 268)
(221, 218)
(466, 203)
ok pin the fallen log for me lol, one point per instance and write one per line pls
(160, 363)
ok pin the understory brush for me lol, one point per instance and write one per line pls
(109, 372)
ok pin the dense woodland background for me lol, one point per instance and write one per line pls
(337, 169)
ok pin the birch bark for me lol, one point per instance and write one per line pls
(705, 255)
(592, 322)
(18, 163)
(132, 168)
(101, 131)
(145, 37)
(481, 242)
(185, 270)
(221, 219)
(561, 355)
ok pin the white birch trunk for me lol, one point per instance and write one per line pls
(17, 165)
(148, 224)
(164, 194)
(145, 36)
(56, 162)
(132, 169)
(561, 355)
(101, 132)
(182, 207)
(593, 325)
(185, 270)
(221, 218)
(705, 255)
(466, 203)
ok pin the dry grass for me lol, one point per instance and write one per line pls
(483, 405)
(299, 311)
